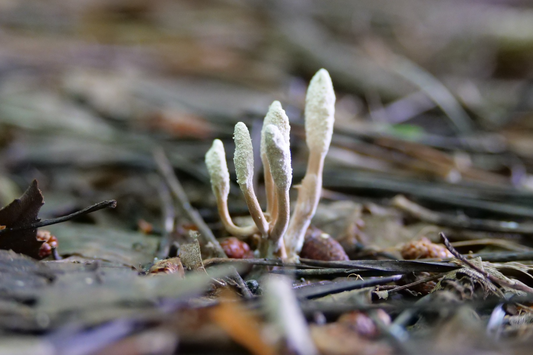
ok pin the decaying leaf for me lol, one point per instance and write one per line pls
(466, 283)
(19, 222)
(22, 212)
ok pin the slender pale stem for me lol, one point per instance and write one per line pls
(269, 188)
(279, 159)
(244, 168)
(319, 121)
(308, 197)
(279, 226)
(270, 250)
(255, 209)
(275, 116)
(222, 205)
(282, 221)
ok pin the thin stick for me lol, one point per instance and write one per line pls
(429, 84)
(246, 293)
(463, 222)
(514, 284)
(262, 262)
(165, 169)
(51, 221)
(418, 282)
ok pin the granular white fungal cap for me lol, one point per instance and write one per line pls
(319, 112)
(276, 116)
(244, 155)
(279, 157)
(215, 159)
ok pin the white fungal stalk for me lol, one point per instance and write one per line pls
(244, 168)
(319, 120)
(279, 160)
(215, 159)
(282, 236)
(275, 116)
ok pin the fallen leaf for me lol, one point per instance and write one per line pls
(22, 212)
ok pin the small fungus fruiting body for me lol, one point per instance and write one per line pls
(244, 168)
(319, 112)
(319, 120)
(275, 116)
(282, 236)
(244, 155)
(279, 157)
(279, 160)
(215, 159)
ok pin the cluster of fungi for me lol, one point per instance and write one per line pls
(282, 235)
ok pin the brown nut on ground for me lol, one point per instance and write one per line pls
(321, 246)
(236, 249)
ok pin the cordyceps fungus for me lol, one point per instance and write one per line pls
(215, 159)
(244, 168)
(279, 161)
(319, 119)
(282, 236)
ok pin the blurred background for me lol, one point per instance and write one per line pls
(434, 98)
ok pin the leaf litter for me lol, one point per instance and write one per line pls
(431, 135)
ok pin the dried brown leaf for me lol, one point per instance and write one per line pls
(22, 212)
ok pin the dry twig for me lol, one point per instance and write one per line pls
(165, 168)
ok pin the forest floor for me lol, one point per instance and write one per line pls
(421, 242)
